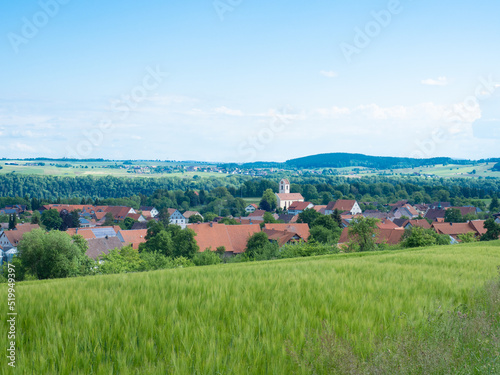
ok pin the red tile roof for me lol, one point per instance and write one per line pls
(290, 197)
(301, 229)
(389, 236)
(233, 237)
(299, 206)
(14, 236)
(134, 237)
(341, 204)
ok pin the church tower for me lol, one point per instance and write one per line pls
(284, 186)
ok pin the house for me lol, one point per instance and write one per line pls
(301, 229)
(435, 214)
(175, 217)
(137, 217)
(376, 214)
(416, 223)
(96, 232)
(233, 237)
(391, 236)
(343, 205)
(288, 218)
(320, 208)
(298, 207)
(188, 214)
(386, 224)
(149, 211)
(120, 212)
(455, 229)
(284, 197)
(10, 239)
(132, 237)
(251, 208)
(466, 210)
(405, 210)
(282, 237)
(101, 246)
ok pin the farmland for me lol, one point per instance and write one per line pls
(236, 318)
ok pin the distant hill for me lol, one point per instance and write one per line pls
(340, 160)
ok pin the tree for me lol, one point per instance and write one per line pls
(362, 231)
(419, 237)
(12, 222)
(308, 216)
(453, 215)
(4, 219)
(467, 237)
(492, 230)
(268, 201)
(128, 223)
(51, 219)
(255, 243)
(51, 255)
(36, 218)
(337, 216)
(109, 220)
(495, 204)
(195, 219)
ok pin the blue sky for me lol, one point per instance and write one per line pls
(231, 80)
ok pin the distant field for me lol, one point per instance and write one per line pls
(95, 169)
(235, 318)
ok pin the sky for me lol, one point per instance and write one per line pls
(243, 81)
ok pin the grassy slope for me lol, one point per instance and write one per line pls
(234, 318)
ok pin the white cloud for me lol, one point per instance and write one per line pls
(22, 147)
(333, 112)
(441, 81)
(329, 73)
(227, 111)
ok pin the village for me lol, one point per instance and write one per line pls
(100, 225)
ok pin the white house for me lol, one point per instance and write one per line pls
(343, 205)
(251, 208)
(177, 218)
(284, 197)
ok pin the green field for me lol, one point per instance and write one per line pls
(98, 168)
(234, 318)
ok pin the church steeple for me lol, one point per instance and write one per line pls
(284, 186)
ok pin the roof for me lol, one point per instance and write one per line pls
(299, 206)
(282, 237)
(143, 225)
(290, 196)
(434, 214)
(341, 204)
(320, 208)
(233, 237)
(133, 237)
(118, 212)
(478, 226)
(97, 232)
(257, 213)
(285, 181)
(188, 214)
(386, 224)
(135, 216)
(14, 236)
(301, 229)
(146, 208)
(454, 229)
(376, 214)
(390, 236)
(417, 223)
(466, 210)
(99, 246)
(288, 218)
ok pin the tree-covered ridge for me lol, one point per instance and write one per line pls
(341, 160)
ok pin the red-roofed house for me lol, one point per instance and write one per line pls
(284, 197)
(233, 237)
(133, 237)
(301, 229)
(343, 205)
(298, 207)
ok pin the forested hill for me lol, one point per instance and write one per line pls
(340, 160)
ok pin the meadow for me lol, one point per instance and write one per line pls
(235, 318)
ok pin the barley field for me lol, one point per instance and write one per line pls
(234, 318)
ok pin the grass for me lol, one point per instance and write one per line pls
(236, 318)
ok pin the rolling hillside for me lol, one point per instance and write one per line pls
(235, 318)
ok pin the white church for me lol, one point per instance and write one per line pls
(285, 198)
